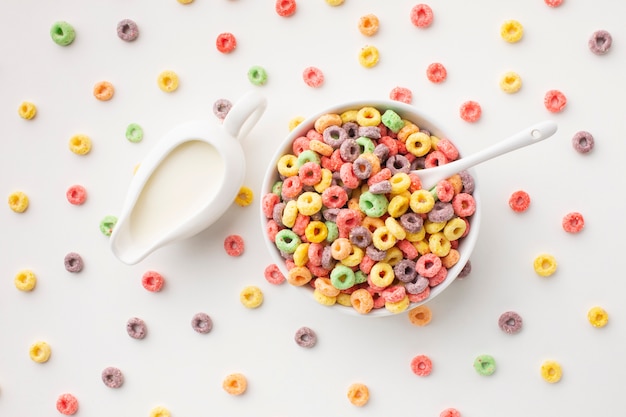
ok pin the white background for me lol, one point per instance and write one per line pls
(83, 316)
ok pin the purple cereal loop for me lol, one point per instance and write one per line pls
(418, 286)
(73, 262)
(405, 270)
(221, 107)
(349, 150)
(334, 136)
(412, 222)
(418, 163)
(441, 212)
(371, 132)
(398, 163)
(467, 269)
(510, 322)
(600, 42)
(331, 214)
(317, 216)
(277, 213)
(583, 141)
(381, 151)
(381, 187)
(202, 323)
(352, 130)
(112, 377)
(286, 255)
(361, 236)
(468, 182)
(127, 30)
(305, 337)
(136, 328)
(375, 254)
(425, 131)
(362, 168)
(327, 259)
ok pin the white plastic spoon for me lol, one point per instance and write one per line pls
(533, 134)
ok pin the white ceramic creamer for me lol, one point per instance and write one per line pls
(185, 183)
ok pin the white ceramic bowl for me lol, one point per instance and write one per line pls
(407, 112)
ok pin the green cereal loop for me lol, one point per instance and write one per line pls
(134, 133)
(342, 277)
(62, 33)
(333, 231)
(485, 365)
(107, 224)
(287, 241)
(366, 144)
(360, 277)
(373, 205)
(308, 156)
(392, 120)
(257, 75)
(277, 188)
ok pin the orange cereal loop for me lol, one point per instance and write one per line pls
(18, 201)
(368, 24)
(27, 110)
(103, 91)
(420, 315)
(362, 301)
(358, 394)
(327, 120)
(235, 384)
(299, 275)
(168, 81)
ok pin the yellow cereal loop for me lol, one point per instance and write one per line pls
(598, 317)
(421, 201)
(295, 122)
(185, 1)
(368, 116)
(251, 296)
(287, 165)
(301, 254)
(398, 205)
(343, 299)
(511, 31)
(510, 82)
(327, 179)
(349, 116)
(161, 411)
(398, 306)
(18, 201)
(438, 244)
(354, 258)
(545, 265)
(551, 371)
(323, 299)
(27, 110)
(382, 274)
(25, 280)
(369, 56)
(316, 231)
(399, 182)
(334, 3)
(383, 239)
(40, 352)
(416, 236)
(434, 140)
(395, 228)
(309, 203)
(80, 144)
(168, 81)
(454, 228)
(422, 247)
(244, 196)
(433, 227)
(393, 256)
(418, 143)
(290, 213)
(299, 275)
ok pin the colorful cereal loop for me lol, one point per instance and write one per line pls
(152, 281)
(519, 201)
(40, 352)
(358, 394)
(273, 275)
(600, 42)
(25, 280)
(511, 31)
(285, 8)
(112, 377)
(510, 322)
(583, 142)
(62, 33)
(221, 107)
(485, 365)
(134, 133)
(67, 404)
(73, 262)
(369, 56)
(127, 30)
(401, 94)
(251, 297)
(244, 196)
(80, 144)
(168, 81)
(76, 195)
(305, 337)
(420, 315)
(573, 222)
(103, 91)
(136, 328)
(18, 201)
(226, 42)
(554, 101)
(436, 73)
(201, 323)
(421, 15)
(450, 412)
(368, 24)
(257, 75)
(553, 3)
(551, 371)
(161, 411)
(334, 3)
(545, 265)
(313, 77)
(470, 111)
(362, 301)
(27, 110)
(235, 384)
(598, 317)
(294, 122)
(510, 82)
(185, 1)
(107, 224)
(421, 365)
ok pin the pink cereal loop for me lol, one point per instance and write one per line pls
(313, 77)
(470, 111)
(428, 265)
(464, 204)
(268, 202)
(234, 245)
(422, 15)
(273, 275)
(573, 222)
(76, 195)
(554, 101)
(401, 94)
(436, 73)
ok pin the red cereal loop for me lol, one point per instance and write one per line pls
(313, 77)
(436, 73)
(470, 111)
(421, 15)
(421, 365)
(553, 3)
(67, 404)
(233, 244)
(76, 194)
(152, 281)
(226, 42)
(273, 275)
(554, 101)
(573, 222)
(519, 201)
(450, 412)
(285, 8)
(401, 94)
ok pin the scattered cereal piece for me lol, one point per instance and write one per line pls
(112, 377)
(598, 317)
(600, 42)
(313, 77)
(226, 42)
(76, 195)
(551, 371)
(305, 337)
(25, 280)
(485, 365)
(470, 111)
(161, 411)
(519, 201)
(450, 412)
(294, 122)
(273, 274)
(369, 56)
(80, 144)
(369, 24)
(40, 352)
(235, 384)
(251, 297)
(420, 315)
(553, 3)
(136, 328)
(358, 394)
(134, 133)
(421, 15)
(334, 3)
(257, 75)
(555, 101)
(152, 281)
(62, 33)
(27, 110)
(168, 81)
(583, 141)
(107, 224)
(127, 30)
(573, 222)
(244, 197)
(510, 82)
(103, 91)
(436, 73)
(73, 262)
(234, 245)
(510, 322)
(401, 94)
(202, 323)
(221, 107)
(285, 8)
(67, 404)
(545, 265)
(421, 365)
(511, 31)
(18, 201)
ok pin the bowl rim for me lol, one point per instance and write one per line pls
(408, 112)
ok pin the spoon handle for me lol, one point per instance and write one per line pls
(532, 134)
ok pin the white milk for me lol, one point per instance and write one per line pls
(182, 184)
